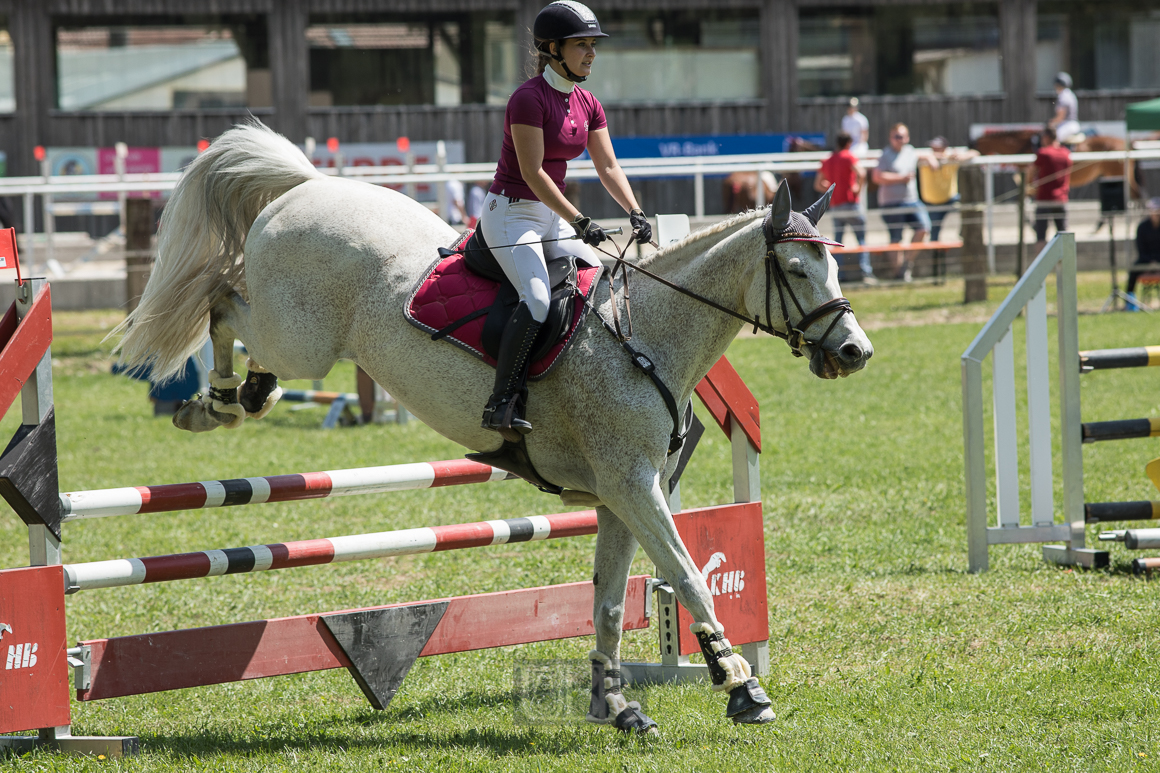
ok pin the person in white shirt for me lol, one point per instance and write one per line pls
(1066, 118)
(858, 127)
(456, 207)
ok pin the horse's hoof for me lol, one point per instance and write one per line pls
(756, 715)
(748, 704)
(201, 416)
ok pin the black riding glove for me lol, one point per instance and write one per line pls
(590, 232)
(641, 230)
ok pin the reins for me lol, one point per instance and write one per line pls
(774, 275)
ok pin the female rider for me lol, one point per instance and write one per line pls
(549, 121)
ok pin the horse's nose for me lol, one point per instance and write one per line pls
(851, 353)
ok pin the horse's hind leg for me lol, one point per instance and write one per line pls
(615, 548)
(643, 508)
(221, 408)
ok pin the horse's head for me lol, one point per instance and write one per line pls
(796, 293)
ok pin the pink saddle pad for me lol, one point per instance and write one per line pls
(449, 291)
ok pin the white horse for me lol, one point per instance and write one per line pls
(329, 264)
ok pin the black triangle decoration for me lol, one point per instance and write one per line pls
(28, 474)
(382, 644)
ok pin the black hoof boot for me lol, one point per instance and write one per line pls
(505, 410)
(256, 388)
(748, 704)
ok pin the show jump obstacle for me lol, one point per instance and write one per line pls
(1030, 293)
(377, 645)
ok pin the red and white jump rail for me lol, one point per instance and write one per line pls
(331, 550)
(102, 503)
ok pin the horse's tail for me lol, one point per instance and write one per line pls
(199, 245)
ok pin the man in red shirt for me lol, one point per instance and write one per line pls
(842, 171)
(1052, 173)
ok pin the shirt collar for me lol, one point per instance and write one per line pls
(558, 81)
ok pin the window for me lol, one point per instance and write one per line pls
(7, 87)
(222, 64)
(921, 49)
(1102, 45)
(397, 60)
(681, 55)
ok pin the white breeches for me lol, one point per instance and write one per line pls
(525, 224)
(1066, 130)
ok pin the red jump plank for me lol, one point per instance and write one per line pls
(133, 665)
(26, 344)
(723, 392)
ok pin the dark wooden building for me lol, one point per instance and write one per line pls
(908, 60)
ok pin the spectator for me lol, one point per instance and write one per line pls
(938, 180)
(1052, 172)
(858, 127)
(1147, 243)
(456, 207)
(842, 171)
(1066, 118)
(475, 198)
(895, 177)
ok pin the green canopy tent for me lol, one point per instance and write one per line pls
(1144, 116)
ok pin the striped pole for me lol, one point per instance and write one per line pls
(315, 396)
(1145, 565)
(103, 503)
(284, 555)
(1110, 359)
(1100, 512)
(1120, 430)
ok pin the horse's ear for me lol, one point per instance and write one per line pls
(782, 206)
(815, 211)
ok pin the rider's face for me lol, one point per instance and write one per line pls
(578, 54)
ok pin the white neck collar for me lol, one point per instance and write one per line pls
(558, 81)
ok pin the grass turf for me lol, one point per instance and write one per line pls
(886, 654)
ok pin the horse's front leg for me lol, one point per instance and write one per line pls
(615, 548)
(639, 502)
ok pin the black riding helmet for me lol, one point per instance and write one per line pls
(561, 20)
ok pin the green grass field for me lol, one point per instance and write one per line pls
(886, 654)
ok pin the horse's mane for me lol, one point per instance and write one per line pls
(702, 234)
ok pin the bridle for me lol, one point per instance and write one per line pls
(794, 335)
(793, 231)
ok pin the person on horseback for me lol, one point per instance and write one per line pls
(549, 121)
(1065, 122)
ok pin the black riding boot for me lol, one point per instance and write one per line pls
(505, 410)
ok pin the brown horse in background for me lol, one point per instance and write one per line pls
(739, 190)
(1009, 143)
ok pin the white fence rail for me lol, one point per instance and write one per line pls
(407, 176)
(1030, 296)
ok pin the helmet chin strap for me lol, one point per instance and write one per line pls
(567, 72)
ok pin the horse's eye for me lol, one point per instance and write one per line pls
(796, 267)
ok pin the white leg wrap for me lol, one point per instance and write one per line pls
(252, 365)
(224, 382)
(233, 409)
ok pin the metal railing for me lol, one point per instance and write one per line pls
(409, 175)
(1029, 295)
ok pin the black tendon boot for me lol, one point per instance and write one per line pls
(748, 703)
(607, 706)
(505, 410)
